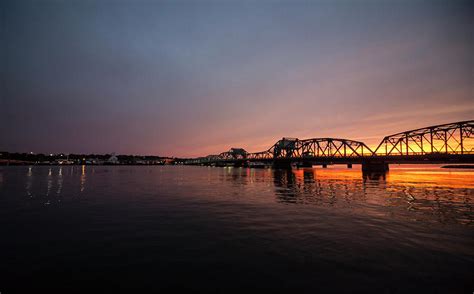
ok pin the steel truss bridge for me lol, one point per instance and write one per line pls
(447, 143)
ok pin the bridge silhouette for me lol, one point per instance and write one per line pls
(446, 143)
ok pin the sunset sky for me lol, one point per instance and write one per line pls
(192, 78)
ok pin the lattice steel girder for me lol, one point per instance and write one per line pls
(316, 147)
(446, 138)
(331, 147)
(326, 147)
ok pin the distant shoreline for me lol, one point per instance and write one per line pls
(7, 158)
(26, 163)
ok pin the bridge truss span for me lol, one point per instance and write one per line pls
(454, 138)
(331, 147)
(264, 155)
(292, 148)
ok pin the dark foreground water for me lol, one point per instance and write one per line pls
(84, 229)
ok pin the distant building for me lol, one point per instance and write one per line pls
(113, 159)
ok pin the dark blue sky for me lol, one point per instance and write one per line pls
(189, 78)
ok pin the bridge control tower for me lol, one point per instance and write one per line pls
(238, 152)
(284, 148)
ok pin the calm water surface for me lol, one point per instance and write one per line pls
(206, 229)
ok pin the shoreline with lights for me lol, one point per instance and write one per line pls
(9, 158)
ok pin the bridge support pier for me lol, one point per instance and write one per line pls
(349, 165)
(325, 165)
(305, 164)
(282, 164)
(240, 164)
(370, 166)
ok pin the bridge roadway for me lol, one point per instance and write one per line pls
(447, 143)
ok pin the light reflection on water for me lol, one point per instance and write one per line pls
(426, 191)
(83, 178)
(332, 227)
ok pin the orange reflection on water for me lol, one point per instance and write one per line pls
(411, 175)
(338, 173)
(426, 178)
(417, 192)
